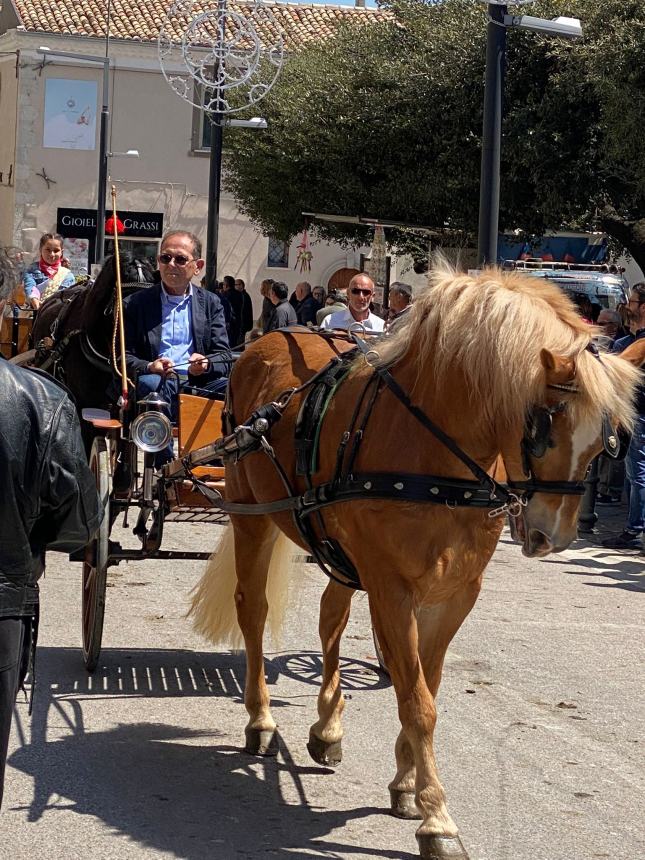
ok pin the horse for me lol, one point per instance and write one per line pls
(74, 329)
(486, 367)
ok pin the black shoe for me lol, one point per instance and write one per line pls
(607, 499)
(625, 540)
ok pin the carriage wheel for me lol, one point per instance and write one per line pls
(379, 654)
(96, 563)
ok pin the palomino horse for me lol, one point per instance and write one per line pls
(477, 356)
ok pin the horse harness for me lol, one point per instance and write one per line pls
(50, 350)
(348, 485)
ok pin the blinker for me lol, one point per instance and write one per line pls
(615, 442)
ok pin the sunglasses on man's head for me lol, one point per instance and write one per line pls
(357, 292)
(180, 259)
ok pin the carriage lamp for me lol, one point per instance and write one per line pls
(151, 432)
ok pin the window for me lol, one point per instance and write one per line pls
(278, 254)
(202, 127)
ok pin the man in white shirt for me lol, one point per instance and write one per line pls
(357, 315)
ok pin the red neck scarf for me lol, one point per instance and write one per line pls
(48, 270)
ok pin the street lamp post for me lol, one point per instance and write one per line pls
(103, 140)
(492, 135)
(498, 23)
(220, 66)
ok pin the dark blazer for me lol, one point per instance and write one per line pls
(143, 330)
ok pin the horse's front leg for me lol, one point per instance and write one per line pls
(326, 734)
(395, 621)
(254, 540)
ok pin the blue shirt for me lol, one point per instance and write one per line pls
(176, 329)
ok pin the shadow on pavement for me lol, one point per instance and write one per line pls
(627, 574)
(168, 787)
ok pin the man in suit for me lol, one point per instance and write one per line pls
(175, 330)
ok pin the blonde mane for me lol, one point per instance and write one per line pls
(492, 327)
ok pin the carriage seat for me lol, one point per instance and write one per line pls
(200, 423)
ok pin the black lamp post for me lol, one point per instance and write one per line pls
(498, 23)
(492, 135)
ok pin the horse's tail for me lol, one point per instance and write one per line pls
(213, 598)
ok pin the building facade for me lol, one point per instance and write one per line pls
(49, 141)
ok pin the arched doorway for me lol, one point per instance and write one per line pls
(340, 279)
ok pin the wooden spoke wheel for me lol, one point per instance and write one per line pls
(96, 559)
(379, 654)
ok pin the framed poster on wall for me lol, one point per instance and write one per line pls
(70, 114)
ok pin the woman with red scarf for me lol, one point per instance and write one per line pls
(47, 274)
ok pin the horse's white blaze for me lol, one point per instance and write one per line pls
(583, 438)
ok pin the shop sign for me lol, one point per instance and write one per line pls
(81, 223)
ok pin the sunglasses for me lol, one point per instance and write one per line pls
(180, 259)
(357, 292)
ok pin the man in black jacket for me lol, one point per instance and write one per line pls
(48, 501)
(247, 308)
(306, 306)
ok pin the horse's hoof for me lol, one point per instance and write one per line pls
(328, 754)
(261, 741)
(402, 804)
(435, 847)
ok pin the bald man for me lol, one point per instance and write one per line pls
(359, 295)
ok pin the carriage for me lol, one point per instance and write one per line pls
(122, 462)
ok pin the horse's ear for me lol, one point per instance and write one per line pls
(559, 369)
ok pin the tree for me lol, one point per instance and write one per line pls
(384, 120)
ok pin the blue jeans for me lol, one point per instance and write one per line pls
(635, 471)
(168, 387)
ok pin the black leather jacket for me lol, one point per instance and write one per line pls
(48, 496)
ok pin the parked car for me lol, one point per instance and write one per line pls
(604, 284)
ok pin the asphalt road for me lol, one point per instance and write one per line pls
(539, 739)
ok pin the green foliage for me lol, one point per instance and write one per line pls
(384, 120)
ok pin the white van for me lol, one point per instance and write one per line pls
(604, 284)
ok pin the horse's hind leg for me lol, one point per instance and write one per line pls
(396, 627)
(254, 540)
(326, 734)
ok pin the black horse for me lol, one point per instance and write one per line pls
(74, 330)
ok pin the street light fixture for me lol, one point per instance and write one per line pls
(103, 134)
(131, 153)
(498, 23)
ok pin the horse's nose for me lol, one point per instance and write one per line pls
(536, 544)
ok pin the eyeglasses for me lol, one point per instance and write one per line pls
(180, 259)
(356, 292)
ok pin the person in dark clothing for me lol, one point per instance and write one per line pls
(306, 306)
(247, 308)
(49, 501)
(632, 536)
(235, 336)
(283, 313)
(267, 304)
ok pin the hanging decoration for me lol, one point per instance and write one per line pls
(304, 258)
(376, 264)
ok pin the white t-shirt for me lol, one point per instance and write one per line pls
(344, 319)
